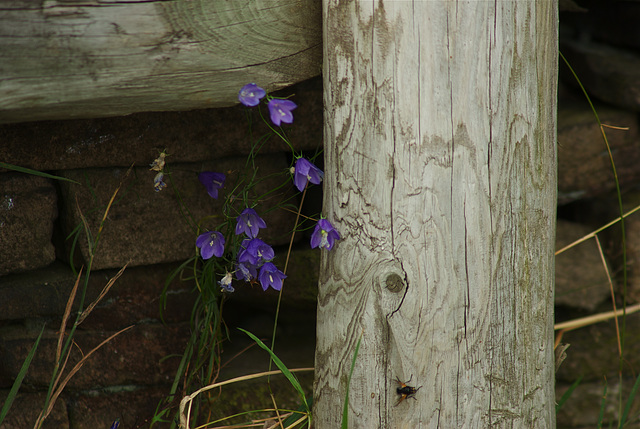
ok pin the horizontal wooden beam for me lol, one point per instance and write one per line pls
(62, 59)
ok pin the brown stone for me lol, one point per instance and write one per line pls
(593, 351)
(26, 408)
(193, 136)
(581, 279)
(582, 409)
(134, 297)
(27, 212)
(608, 73)
(146, 227)
(584, 167)
(132, 405)
(632, 231)
(138, 356)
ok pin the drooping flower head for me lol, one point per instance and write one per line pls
(245, 271)
(304, 172)
(158, 163)
(270, 275)
(225, 283)
(255, 252)
(158, 182)
(280, 110)
(250, 94)
(250, 223)
(212, 181)
(211, 243)
(324, 235)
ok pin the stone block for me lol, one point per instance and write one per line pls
(27, 212)
(133, 405)
(133, 298)
(610, 74)
(581, 279)
(193, 136)
(632, 230)
(139, 355)
(584, 167)
(593, 351)
(145, 227)
(26, 408)
(582, 409)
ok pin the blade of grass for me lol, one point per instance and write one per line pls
(292, 378)
(21, 374)
(602, 406)
(34, 172)
(627, 407)
(345, 410)
(567, 394)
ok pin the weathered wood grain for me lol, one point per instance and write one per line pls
(63, 59)
(441, 176)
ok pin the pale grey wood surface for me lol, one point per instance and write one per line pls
(441, 177)
(63, 59)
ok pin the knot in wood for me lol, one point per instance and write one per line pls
(394, 283)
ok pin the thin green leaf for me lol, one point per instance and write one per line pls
(602, 406)
(345, 410)
(567, 394)
(34, 172)
(632, 396)
(21, 374)
(292, 378)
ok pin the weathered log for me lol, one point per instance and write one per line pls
(62, 59)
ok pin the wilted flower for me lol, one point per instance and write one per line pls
(158, 182)
(245, 271)
(211, 243)
(304, 171)
(212, 181)
(270, 275)
(158, 163)
(225, 283)
(280, 110)
(255, 252)
(250, 94)
(324, 235)
(250, 223)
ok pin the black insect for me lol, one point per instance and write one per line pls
(405, 391)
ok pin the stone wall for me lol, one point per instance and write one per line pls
(151, 234)
(145, 229)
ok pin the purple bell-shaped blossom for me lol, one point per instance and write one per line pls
(211, 243)
(270, 275)
(324, 235)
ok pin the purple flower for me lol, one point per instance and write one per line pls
(255, 252)
(304, 172)
(250, 223)
(210, 243)
(270, 275)
(115, 424)
(212, 181)
(158, 182)
(280, 110)
(250, 94)
(324, 235)
(225, 283)
(245, 271)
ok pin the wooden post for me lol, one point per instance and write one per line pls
(441, 177)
